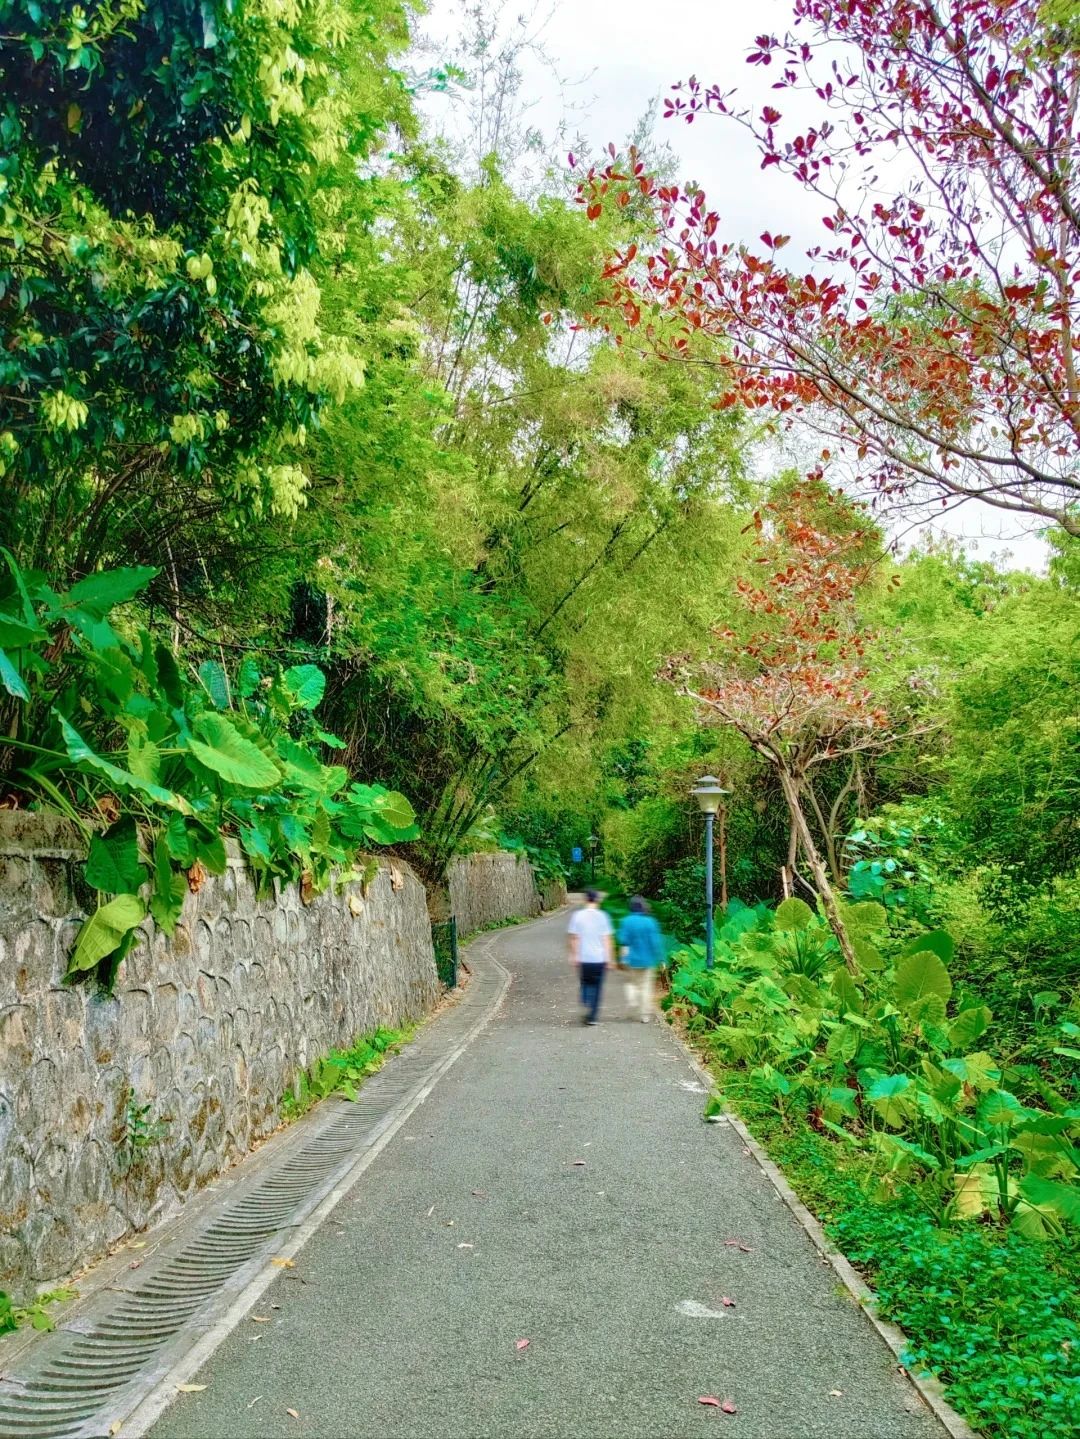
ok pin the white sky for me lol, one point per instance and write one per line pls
(616, 56)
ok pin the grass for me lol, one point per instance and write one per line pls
(996, 1317)
(343, 1071)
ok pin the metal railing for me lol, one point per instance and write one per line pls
(445, 939)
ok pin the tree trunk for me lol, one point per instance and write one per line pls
(790, 786)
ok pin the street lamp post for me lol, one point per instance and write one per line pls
(709, 792)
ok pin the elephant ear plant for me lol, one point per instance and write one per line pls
(158, 765)
(890, 1061)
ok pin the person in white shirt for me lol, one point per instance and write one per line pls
(591, 946)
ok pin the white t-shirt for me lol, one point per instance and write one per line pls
(590, 926)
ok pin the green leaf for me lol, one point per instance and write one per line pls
(793, 915)
(170, 887)
(306, 684)
(113, 863)
(97, 594)
(16, 634)
(920, 974)
(11, 679)
(968, 1025)
(869, 956)
(105, 930)
(977, 1070)
(865, 916)
(303, 768)
(169, 677)
(144, 759)
(846, 991)
(180, 844)
(227, 753)
(891, 1096)
(79, 751)
(937, 941)
(1000, 1109)
(248, 679)
(1062, 1199)
(215, 682)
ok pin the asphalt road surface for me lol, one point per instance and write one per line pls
(560, 1187)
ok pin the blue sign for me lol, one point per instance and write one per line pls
(577, 854)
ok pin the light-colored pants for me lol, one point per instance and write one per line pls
(639, 990)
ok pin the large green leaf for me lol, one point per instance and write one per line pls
(170, 887)
(215, 682)
(97, 594)
(869, 956)
(937, 941)
(892, 1095)
(977, 1070)
(864, 916)
(224, 750)
(847, 991)
(16, 634)
(968, 1025)
(920, 975)
(11, 679)
(113, 863)
(1062, 1199)
(1000, 1109)
(79, 751)
(306, 684)
(105, 930)
(793, 914)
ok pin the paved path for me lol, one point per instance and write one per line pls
(476, 1228)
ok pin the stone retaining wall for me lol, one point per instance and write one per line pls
(489, 888)
(209, 1029)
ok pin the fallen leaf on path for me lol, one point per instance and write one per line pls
(293, 1412)
(739, 1245)
(449, 1223)
(728, 1407)
(837, 1393)
(115, 1428)
(522, 1344)
(431, 1211)
(464, 1246)
(140, 1245)
(479, 1194)
(275, 1306)
(260, 1319)
(284, 1263)
(255, 1401)
(578, 1164)
(726, 1302)
(709, 1399)
(135, 1264)
(190, 1388)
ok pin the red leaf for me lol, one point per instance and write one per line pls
(727, 1303)
(521, 1344)
(728, 1407)
(709, 1399)
(595, 211)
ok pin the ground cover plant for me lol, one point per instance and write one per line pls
(944, 1167)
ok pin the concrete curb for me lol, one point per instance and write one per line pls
(931, 1389)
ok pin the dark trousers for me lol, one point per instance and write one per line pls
(592, 982)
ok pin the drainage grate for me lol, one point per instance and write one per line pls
(78, 1381)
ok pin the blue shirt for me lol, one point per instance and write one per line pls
(641, 936)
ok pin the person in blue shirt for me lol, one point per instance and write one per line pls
(642, 950)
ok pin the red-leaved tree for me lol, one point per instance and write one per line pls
(792, 679)
(933, 340)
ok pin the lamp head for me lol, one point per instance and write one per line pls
(709, 792)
